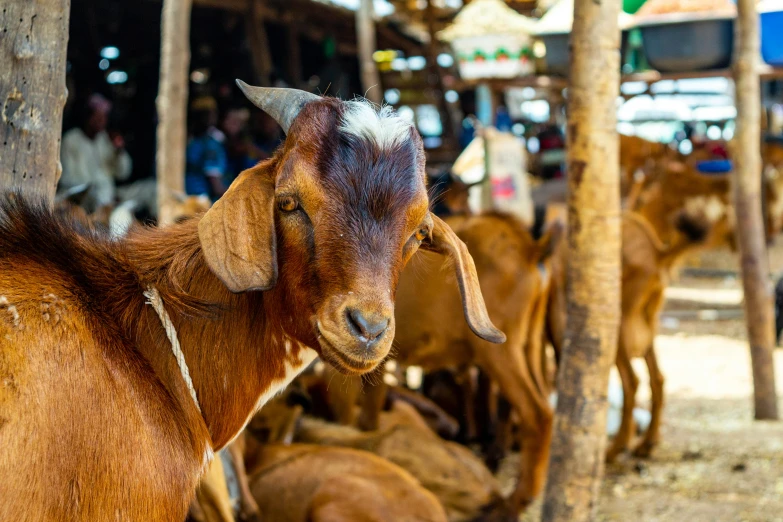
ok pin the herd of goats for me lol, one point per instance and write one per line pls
(127, 362)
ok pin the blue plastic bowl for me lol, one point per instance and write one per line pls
(714, 166)
(772, 37)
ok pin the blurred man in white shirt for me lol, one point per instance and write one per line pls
(90, 156)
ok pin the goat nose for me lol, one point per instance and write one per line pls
(369, 329)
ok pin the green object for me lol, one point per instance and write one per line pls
(631, 6)
(329, 46)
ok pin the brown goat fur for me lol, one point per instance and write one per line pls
(463, 485)
(646, 266)
(306, 483)
(678, 186)
(88, 381)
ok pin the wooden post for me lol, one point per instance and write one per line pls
(33, 42)
(259, 43)
(747, 200)
(437, 73)
(172, 105)
(593, 266)
(294, 55)
(365, 38)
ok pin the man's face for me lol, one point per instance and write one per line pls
(98, 121)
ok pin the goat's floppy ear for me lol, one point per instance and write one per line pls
(444, 241)
(238, 234)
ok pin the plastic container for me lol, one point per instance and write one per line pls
(772, 35)
(714, 166)
(558, 56)
(685, 44)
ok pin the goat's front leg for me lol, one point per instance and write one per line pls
(652, 436)
(373, 399)
(630, 382)
(341, 396)
(535, 432)
(248, 508)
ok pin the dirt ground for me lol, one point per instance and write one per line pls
(714, 463)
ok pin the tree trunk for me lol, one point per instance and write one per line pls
(33, 44)
(365, 37)
(172, 105)
(593, 266)
(747, 200)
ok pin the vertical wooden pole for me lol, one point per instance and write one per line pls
(259, 43)
(437, 73)
(747, 199)
(365, 37)
(172, 105)
(593, 265)
(294, 55)
(33, 44)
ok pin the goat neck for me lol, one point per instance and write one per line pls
(234, 344)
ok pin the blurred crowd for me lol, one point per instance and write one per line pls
(220, 145)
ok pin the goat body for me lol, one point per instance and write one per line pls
(89, 385)
(299, 258)
(349, 486)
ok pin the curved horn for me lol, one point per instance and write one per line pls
(281, 104)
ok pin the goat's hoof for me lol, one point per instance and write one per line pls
(614, 453)
(644, 450)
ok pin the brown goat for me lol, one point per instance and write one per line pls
(646, 264)
(299, 258)
(463, 485)
(306, 483)
(513, 269)
(678, 186)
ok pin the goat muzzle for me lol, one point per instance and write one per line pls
(355, 335)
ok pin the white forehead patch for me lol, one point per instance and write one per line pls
(363, 119)
(711, 207)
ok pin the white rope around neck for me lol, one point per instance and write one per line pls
(153, 298)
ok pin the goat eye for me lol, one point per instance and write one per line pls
(287, 204)
(422, 233)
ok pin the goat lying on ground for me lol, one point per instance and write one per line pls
(513, 271)
(307, 483)
(351, 485)
(462, 484)
(299, 258)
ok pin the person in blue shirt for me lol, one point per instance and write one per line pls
(206, 164)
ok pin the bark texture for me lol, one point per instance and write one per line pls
(33, 43)
(365, 37)
(172, 105)
(747, 200)
(593, 266)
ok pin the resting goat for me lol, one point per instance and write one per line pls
(99, 420)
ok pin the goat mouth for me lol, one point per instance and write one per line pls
(341, 361)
